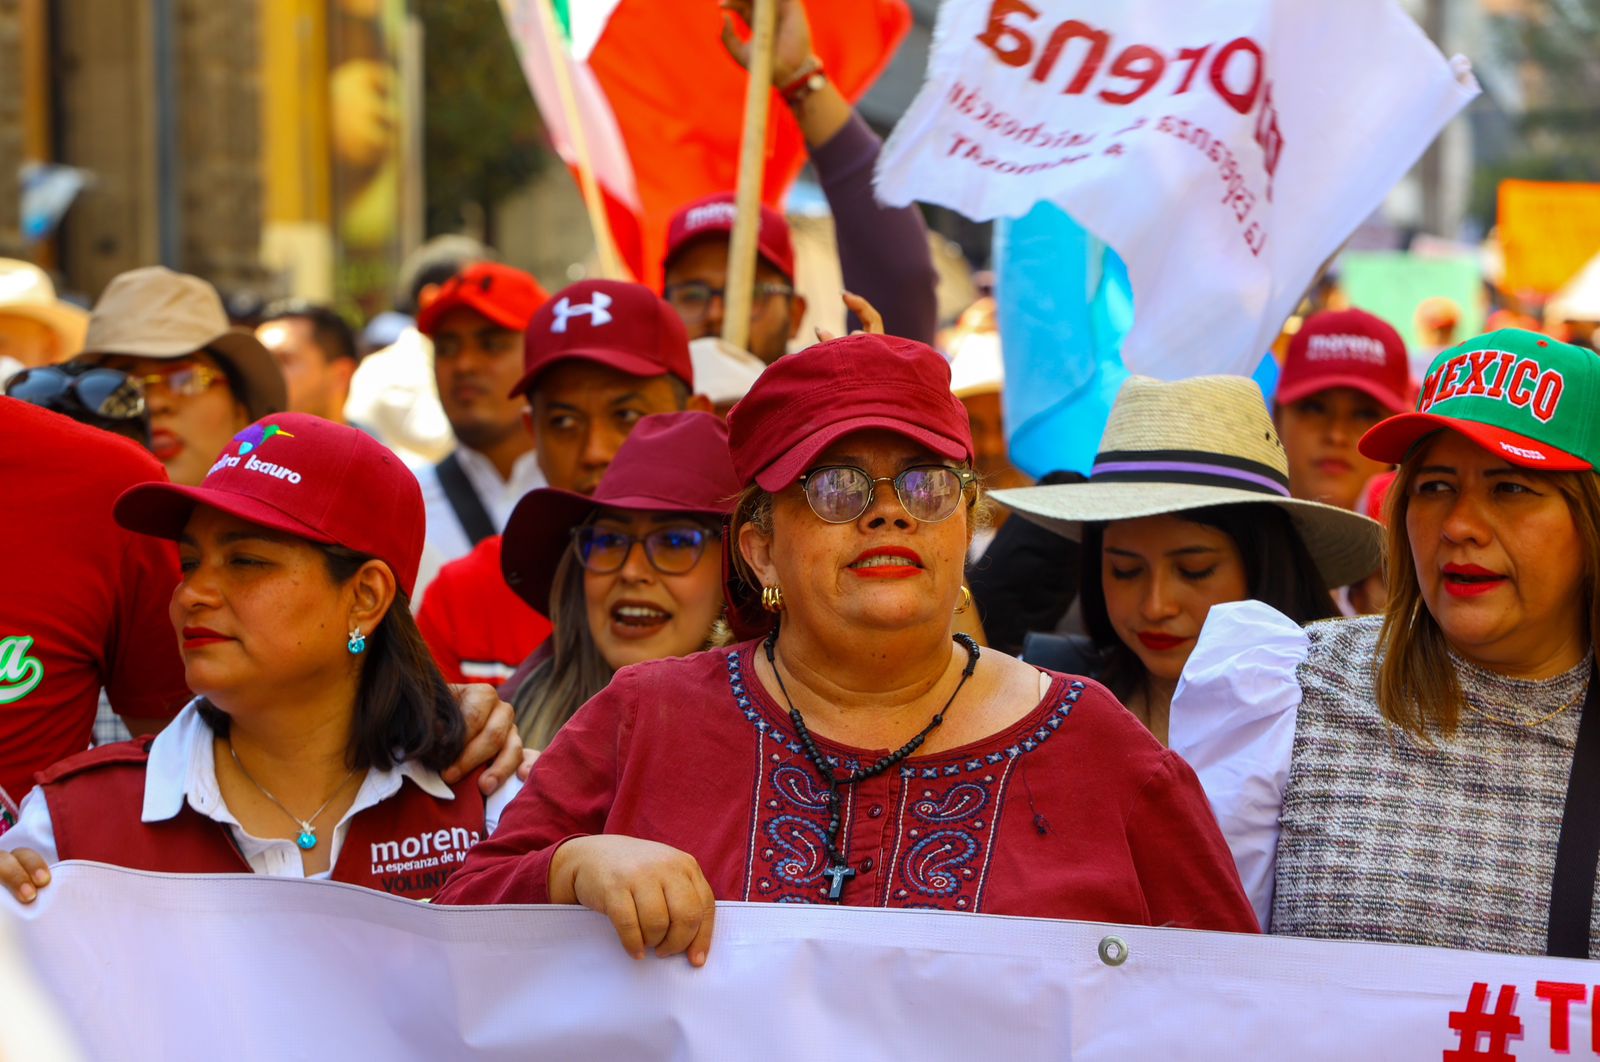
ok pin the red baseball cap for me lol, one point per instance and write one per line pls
(306, 477)
(506, 296)
(1348, 348)
(804, 402)
(670, 462)
(1375, 494)
(624, 326)
(714, 216)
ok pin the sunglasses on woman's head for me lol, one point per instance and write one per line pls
(108, 393)
(839, 494)
(670, 550)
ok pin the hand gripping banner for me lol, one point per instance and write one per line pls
(149, 966)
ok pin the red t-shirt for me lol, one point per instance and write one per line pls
(477, 628)
(1075, 811)
(83, 603)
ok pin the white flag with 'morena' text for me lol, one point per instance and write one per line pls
(1223, 148)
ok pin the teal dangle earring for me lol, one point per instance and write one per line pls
(358, 642)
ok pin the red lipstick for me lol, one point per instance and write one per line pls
(1157, 642)
(195, 637)
(1470, 580)
(887, 562)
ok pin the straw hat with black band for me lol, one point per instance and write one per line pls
(1170, 448)
(156, 313)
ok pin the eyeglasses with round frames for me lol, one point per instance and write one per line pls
(839, 494)
(670, 550)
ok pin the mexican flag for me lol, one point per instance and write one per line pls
(661, 102)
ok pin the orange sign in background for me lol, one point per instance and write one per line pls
(1548, 231)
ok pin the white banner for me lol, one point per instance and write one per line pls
(1223, 148)
(150, 966)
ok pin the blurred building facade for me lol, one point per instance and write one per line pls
(204, 133)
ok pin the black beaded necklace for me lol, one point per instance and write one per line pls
(836, 777)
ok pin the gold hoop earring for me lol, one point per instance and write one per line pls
(772, 598)
(964, 601)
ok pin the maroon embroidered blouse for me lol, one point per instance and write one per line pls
(1073, 812)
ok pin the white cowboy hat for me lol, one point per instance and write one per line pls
(1190, 444)
(722, 372)
(26, 291)
(976, 367)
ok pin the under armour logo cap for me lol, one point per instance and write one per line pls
(623, 326)
(598, 311)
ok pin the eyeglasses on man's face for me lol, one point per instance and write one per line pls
(692, 298)
(839, 494)
(673, 550)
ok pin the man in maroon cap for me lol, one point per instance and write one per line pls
(598, 357)
(1345, 371)
(476, 322)
(883, 251)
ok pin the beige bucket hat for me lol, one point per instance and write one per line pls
(156, 313)
(1189, 444)
(26, 291)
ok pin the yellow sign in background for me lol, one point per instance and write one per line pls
(1548, 231)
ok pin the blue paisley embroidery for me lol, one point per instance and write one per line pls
(799, 787)
(961, 802)
(933, 866)
(801, 852)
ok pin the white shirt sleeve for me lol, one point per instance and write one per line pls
(495, 806)
(34, 829)
(1233, 720)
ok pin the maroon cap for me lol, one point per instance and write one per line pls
(624, 326)
(670, 462)
(306, 477)
(805, 402)
(1347, 348)
(714, 215)
(506, 296)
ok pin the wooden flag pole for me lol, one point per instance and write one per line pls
(611, 267)
(741, 278)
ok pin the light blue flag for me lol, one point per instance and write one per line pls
(1065, 305)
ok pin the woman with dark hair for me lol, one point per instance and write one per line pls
(314, 746)
(572, 557)
(1188, 507)
(1431, 776)
(856, 749)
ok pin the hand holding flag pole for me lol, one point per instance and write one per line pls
(752, 160)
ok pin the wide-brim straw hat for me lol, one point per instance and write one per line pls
(1170, 448)
(27, 291)
(155, 313)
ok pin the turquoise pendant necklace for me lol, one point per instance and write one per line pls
(307, 840)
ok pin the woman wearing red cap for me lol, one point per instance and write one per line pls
(855, 751)
(1432, 776)
(571, 556)
(314, 746)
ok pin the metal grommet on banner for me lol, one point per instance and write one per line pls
(1113, 951)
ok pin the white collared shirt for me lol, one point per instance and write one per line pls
(446, 539)
(181, 769)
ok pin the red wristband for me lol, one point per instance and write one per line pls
(811, 78)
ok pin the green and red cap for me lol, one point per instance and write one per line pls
(1524, 397)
